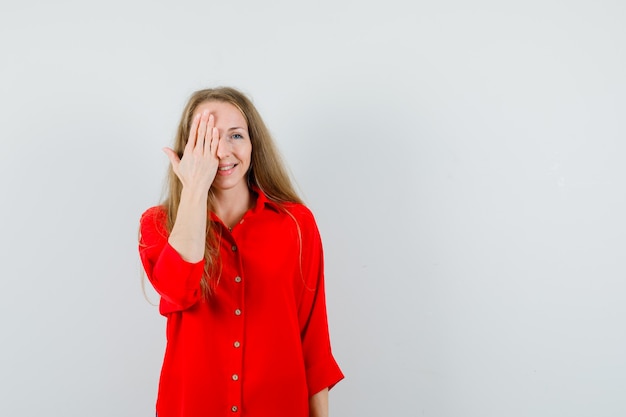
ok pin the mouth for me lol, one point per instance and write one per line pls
(227, 167)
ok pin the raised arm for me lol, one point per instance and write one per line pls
(196, 171)
(173, 262)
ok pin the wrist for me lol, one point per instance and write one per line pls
(194, 195)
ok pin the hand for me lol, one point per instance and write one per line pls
(197, 168)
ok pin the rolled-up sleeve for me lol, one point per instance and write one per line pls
(176, 280)
(321, 368)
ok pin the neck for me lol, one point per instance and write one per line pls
(231, 205)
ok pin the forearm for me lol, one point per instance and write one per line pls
(318, 404)
(188, 235)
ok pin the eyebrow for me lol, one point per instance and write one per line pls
(236, 128)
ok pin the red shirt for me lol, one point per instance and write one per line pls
(259, 345)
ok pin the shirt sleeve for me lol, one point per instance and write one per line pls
(176, 280)
(321, 368)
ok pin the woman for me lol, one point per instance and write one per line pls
(237, 260)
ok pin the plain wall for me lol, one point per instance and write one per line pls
(464, 159)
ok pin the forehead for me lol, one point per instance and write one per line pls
(225, 113)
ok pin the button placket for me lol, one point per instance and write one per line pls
(237, 288)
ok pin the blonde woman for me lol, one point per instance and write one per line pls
(237, 260)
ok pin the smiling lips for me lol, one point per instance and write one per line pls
(227, 168)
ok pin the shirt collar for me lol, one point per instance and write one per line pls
(262, 201)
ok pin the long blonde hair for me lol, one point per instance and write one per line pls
(267, 170)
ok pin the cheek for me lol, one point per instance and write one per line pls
(246, 152)
(243, 152)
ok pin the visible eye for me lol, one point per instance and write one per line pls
(237, 136)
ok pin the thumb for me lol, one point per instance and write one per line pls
(172, 156)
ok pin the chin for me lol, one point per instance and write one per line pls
(229, 185)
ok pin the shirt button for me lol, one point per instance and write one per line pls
(237, 279)
(237, 344)
(234, 248)
(235, 377)
(237, 312)
(234, 409)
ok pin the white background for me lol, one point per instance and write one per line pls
(464, 159)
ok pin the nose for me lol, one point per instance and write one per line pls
(223, 147)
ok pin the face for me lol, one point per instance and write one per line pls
(234, 150)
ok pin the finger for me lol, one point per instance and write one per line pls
(202, 131)
(209, 134)
(209, 148)
(215, 141)
(191, 140)
(171, 155)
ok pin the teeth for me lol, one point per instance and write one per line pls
(226, 168)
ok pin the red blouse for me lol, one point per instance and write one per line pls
(259, 346)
